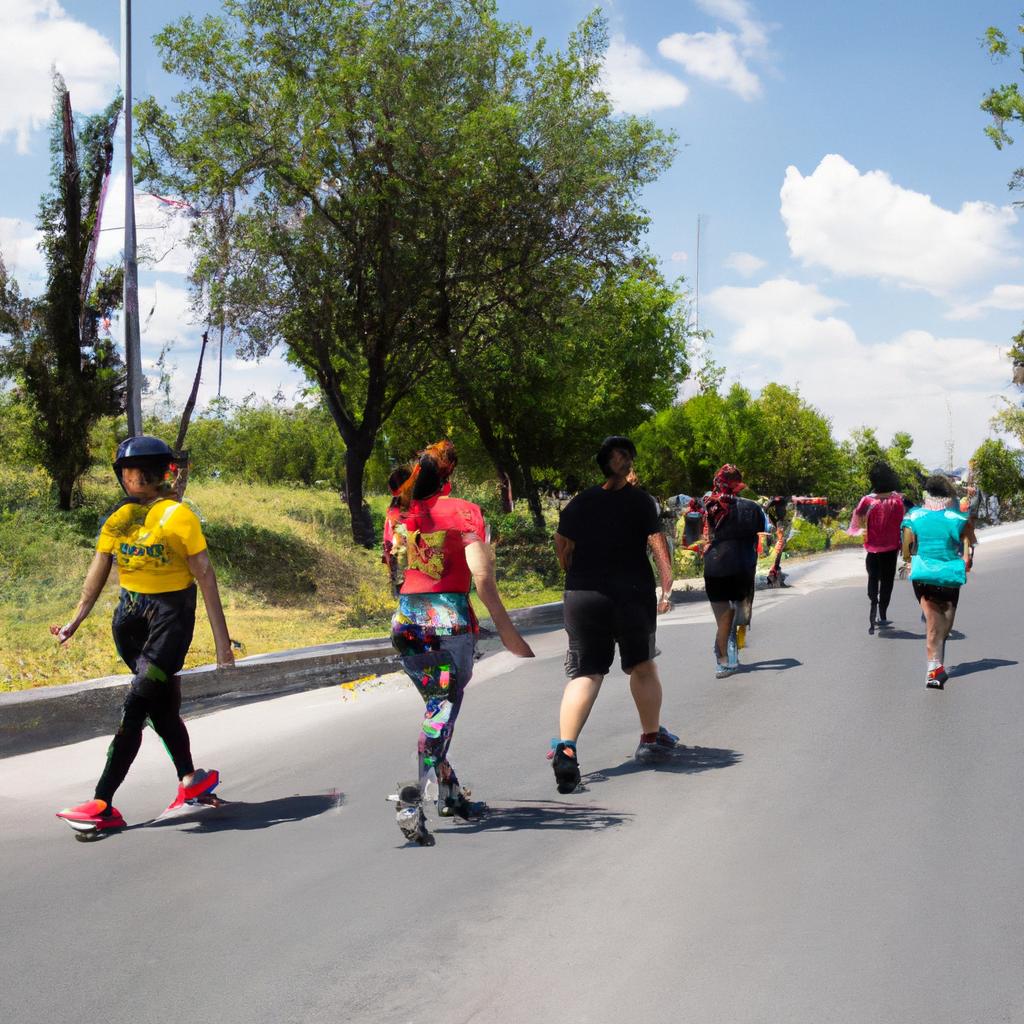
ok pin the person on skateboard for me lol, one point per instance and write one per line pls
(160, 552)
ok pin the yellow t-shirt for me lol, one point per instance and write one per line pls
(152, 544)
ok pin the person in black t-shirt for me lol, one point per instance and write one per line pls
(732, 525)
(602, 541)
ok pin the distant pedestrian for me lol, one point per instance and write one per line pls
(610, 599)
(160, 552)
(435, 547)
(878, 516)
(732, 528)
(938, 540)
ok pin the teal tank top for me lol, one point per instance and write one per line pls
(939, 558)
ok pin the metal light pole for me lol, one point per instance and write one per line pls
(132, 342)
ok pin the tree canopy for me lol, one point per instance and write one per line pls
(418, 182)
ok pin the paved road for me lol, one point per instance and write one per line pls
(836, 845)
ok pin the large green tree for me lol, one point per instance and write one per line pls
(781, 444)
(999, 470)
(68, 370)
(417, 181)
(617, 355)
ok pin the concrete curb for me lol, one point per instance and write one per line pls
(51, 716)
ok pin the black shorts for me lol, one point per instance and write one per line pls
(596, 622)
(737, 587)
(157, 627)
(932, 591)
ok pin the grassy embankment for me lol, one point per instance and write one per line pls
(288, 572)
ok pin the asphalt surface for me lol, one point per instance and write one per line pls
(835, 844)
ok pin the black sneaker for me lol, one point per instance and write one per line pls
(453, 802)
(567, 769)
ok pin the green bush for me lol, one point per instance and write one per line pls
(805, 536)
(686, 565)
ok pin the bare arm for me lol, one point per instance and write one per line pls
(95, 581)
(970, 539)
(908, 543)
(659, 548)
(480, 559)
(564, 549)
(202, 568)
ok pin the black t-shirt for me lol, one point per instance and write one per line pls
(733, 547)
(610, 531)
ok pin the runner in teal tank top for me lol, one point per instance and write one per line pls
(938, 540)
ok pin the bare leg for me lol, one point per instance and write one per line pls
(938, 618)
(645, 686)
(724, 615)
(577, 700)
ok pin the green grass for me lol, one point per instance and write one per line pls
(288, 572)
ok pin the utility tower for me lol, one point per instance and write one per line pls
(950, 446)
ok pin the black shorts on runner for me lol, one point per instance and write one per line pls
(737, 587)
(596, 622)
(932, 591)
(157, 627)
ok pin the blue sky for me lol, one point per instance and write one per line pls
(858, 238)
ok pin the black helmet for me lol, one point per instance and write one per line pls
(145, 451)
(608, 445)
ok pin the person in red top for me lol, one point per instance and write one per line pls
(879, 515)
(435, 547)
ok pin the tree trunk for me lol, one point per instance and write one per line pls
(65, 494)
(505, 490)
(363, 532)
(533, 498)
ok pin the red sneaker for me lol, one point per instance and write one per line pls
(937, 678)
(89, 817)
(202, 782)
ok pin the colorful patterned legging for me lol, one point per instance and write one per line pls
(439, 667)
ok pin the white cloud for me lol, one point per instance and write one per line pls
(865, 225)
(715, 56)
(19, 247)
(784, 332)
(633, 85)
(753, 34)
(679, 256)
(38, 36)
(744, 262)
(161, 235)
(1002, 297)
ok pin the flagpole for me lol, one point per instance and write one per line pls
(132, 341)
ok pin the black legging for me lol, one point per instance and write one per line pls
(152, 633)
(162, 709)
(881, 566)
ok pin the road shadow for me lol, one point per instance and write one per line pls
(542, 816)
(241, 816)
(898, 634)
(968, 668)
(905, 634)
(770, 665)
(685, 761)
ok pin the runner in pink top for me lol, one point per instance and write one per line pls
(878, 515)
